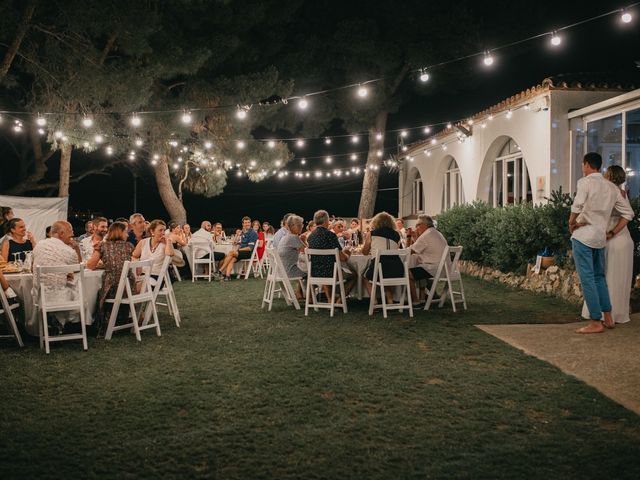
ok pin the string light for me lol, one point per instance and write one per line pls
(303, 104)
(355, 139)
(139, 142)
(427, 130)
(241, 144)
(303, 161)
(186, 117)
(424, 76)
(241, 113)
(208, 145)
(404, 133)
(109, 150)
(488, 59)
(135, 121)
(354, 157)
(555, 39)
(41, 121)
(626, 17)
(98, 139)
(362, 91)
(509, 114)
(327, 141)
(41, 131)
(328, 160)
(173, 143)
(58, 135)
(378, 136)
(87, 122)
(271, 144)
(300, 143)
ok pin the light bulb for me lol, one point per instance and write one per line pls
(98, 139)
(404, 148)
(404, 133)
(271, 144)
(300, 143)
(87, 122)
(626, 17)
(378, 136)
(302, 103)
(362, 91)
(186, 117)
(85, 144)
(252, 163)
(303, 161)
(433, 141)
(328, 160)
(241, 114)
(424, 76)
(379, 153)
(41, 121)
(154, 162)
(156, 157)
(427, 130)
(109, 151)
(17, 128)
(355, 139)
(58, 134)
(354, 157)
(449, 125)
(139, 142)
(173, 143)
(208, 145)
(41, 131)
(488, 59)
(327, 141)
(509, 114)
(241, 144)
(136, 121)
(277, 163)
(555, 39)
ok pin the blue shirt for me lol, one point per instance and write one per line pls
(248, 238)
(279, 235)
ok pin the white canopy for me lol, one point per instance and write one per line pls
(37, 212)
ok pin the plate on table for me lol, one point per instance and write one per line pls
(9, 268)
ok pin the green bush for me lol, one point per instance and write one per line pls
(464, 225)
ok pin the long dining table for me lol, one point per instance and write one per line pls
(22, 284)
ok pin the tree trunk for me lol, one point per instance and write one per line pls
(370, 181)
(171, 202)
(17, 41)
(65, 169)
(31, 181)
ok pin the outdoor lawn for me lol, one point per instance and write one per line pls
(238, 392)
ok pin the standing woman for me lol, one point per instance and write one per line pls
(18, 240)
(262, 242)
(155, 247)
(113, 251)
(618, 255)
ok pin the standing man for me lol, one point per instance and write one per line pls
(595, 200)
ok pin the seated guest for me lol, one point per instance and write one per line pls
(90, 243)
(186, 229)
(354, 230)
(339, 230)
(403, 233)
(58, 250)
(289, 249)
(176, 235)
(383, 236)
(281, 232)
(18, 240)
(267, 229)
(6, 288)
(218, 233)
(113, 251)
(88, 231)
(428, 244)
(311, 226)
(323, 239)
(155, 247)
(248, 239)
(261, 245)
(138, 230)
(203, 236)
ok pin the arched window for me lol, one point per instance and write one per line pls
(510, 183)
(417, 195)
(452, 193)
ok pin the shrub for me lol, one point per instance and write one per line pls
(464, 225)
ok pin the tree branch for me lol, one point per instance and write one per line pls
(107, 48)
(17, 41)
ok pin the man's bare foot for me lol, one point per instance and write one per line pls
(608, 320)
(594, 326)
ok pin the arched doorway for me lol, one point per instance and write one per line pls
(452, 191)
(510, 182)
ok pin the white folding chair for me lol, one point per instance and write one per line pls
(162, 287)
(447, 272)
(125, 296)
(252, 264)
(335, 281)
(70, 298)
(8, 313)
(176, 273)
(276, 274)
(200, 248)
(380, 282)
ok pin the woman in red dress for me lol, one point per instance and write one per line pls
(261, 245)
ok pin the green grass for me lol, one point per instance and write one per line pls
(238, 392)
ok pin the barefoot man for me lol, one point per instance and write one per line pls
(595, 199)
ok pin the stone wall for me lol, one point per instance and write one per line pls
(553, 281)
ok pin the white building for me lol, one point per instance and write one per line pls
(523, 148)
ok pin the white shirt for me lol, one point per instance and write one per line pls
(595, 202)
(54, 252)
(429, 247)
(86, 246)
(200, 237)
(157, 255)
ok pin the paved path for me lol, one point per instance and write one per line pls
(608, 361)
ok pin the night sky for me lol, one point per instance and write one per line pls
(599, 50)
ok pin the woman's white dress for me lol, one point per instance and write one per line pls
(619, 271)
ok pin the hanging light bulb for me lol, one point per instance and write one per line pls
(449, 126)
(271, 144)
(427, 130)
(186, 117)
(58, 135)
(154, 162)
(241, 144)
(404, 133)
(362, 91)
(355, 139)
(277, 163)
(156, 156)
(41, 121)
(404, 148)
(241, 113)
(424, 76)
(433, 141)
(208, 145)
(354, 157)
(626, 17)
(41, 131)
(378, 136)
(87, 122)
(555, 39)
(379, 153)
(327, 141)
(300, 143)
(139, 142)
(85, 144)
(173, 143)
(303, 161)
(488, 59)
(135, 120)
(328, 160)
(303, 103)
(109, 150)
(98, 139)
(509, 114)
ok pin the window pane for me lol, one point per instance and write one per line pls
(605, 137)
(633, 152)
(510, 182)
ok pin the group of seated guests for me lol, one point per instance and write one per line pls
(383, 233)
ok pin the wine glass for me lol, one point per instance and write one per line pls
(16, 259)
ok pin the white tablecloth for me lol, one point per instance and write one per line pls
(23, 282)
